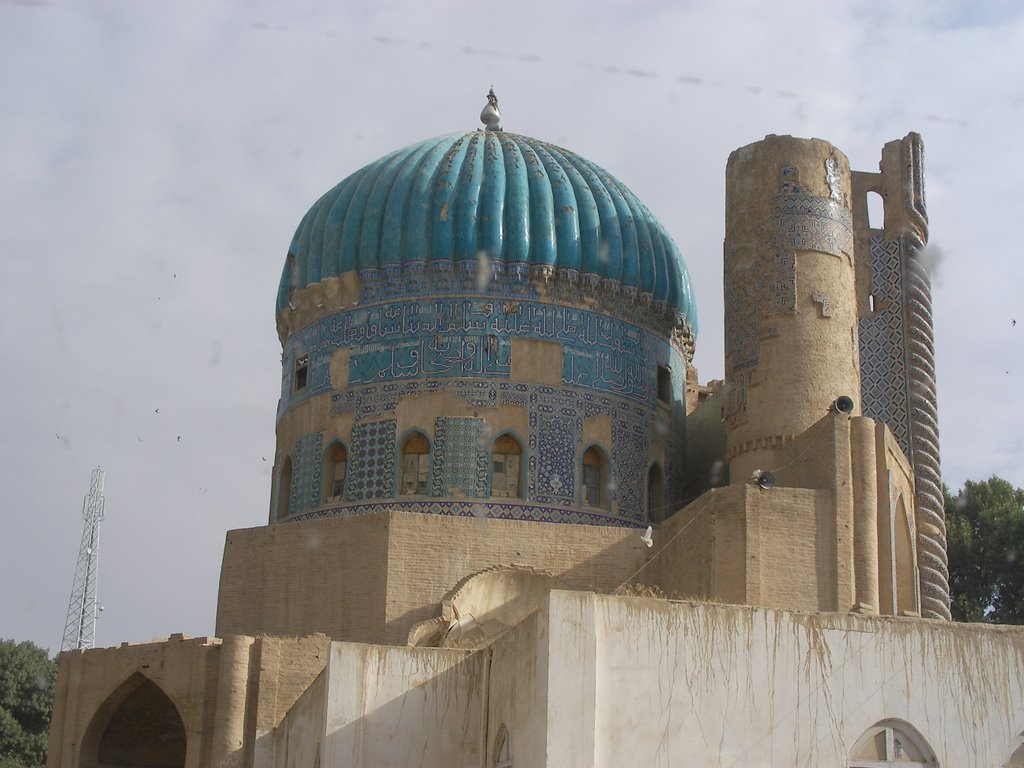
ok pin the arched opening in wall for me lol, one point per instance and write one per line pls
(876, 211)
(334, 470)
(284, 489)
(891, 741)
(655, 494)
(414, 476)
(502, 749)
(506, 465)
(595, 477)
(905, 567)
(138, 725)
(665, 384)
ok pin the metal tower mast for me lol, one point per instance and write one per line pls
(80, 627)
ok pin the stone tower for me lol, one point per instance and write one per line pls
(790, 294)
(825, 312)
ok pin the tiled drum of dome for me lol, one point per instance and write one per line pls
(371, 471)
(472, 337)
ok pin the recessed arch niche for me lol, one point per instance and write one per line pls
(137, 725)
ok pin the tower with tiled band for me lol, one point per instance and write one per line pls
(790, 294)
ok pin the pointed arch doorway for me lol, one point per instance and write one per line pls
(138, 726)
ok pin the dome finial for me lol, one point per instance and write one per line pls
(491, 116)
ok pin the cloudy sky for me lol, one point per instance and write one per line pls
(155, 159)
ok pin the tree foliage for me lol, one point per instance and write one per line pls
(27, 676)
(985, 532)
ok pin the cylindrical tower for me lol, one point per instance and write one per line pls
(790, 306)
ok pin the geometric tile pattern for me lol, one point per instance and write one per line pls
(371, 463)
(811, 223)
(306, 472)
(883, 364)
(628, 475)
(461, 452)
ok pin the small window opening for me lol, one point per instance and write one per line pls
(594, 477)
(415, 465)
(876, 211)
(337, 459)
(665, 384)
(505, 468)
(301, 372)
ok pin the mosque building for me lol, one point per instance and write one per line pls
(509, 527)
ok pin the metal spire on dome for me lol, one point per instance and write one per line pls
(490, 116)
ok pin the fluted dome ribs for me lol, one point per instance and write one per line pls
(526, 205)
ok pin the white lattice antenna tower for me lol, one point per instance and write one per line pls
(80, 627)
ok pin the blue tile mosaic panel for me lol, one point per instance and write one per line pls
(883, 368)
(307, 467)
(629, 466)
(371, 468)
(553, 438)
(461, 453)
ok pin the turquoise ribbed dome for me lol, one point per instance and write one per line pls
(527, 204)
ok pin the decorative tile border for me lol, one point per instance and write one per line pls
(477, 509)
(462, 337)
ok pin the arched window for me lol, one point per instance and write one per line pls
(502, 749)
(284, 489)
(655, 494)
(891, 742)
(506, 463)
(414, 478)
(595, 477)
(334, 470)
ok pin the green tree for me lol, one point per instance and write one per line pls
(27, 676)
(985, 532)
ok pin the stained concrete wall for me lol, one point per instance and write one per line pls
(300, 737)
(661, 683)
(403, 706)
